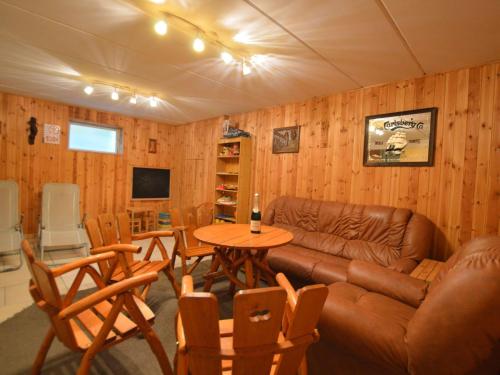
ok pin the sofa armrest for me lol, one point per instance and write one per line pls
(403, 265)
(387, 282)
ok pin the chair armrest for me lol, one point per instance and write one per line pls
(180, 227)
(106, 293)
(187, 284)
(390, 283)
(403, 265)
(77, 264)
(122, 248)
(157, 233)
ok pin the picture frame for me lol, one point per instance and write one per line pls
(286, 140)
(405, 139)
(152, 146)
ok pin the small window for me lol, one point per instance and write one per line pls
(90, 137)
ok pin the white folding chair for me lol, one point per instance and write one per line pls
(11, 230)
(60, 225)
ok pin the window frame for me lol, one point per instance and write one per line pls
(118, 131)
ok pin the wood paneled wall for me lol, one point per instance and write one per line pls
(459, 193)
(104, 179)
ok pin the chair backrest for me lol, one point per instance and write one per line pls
(124, 227)
(109, 231)
(456, 329)
(258, 315)
(190, 219)
(95, 238)
(9, 203)
(45, 293)
(60, 206)
(204, 214)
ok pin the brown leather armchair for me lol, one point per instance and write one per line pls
(384, 322)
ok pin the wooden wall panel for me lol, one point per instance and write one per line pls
(104, 179)
(460, 193)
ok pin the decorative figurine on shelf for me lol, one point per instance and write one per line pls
(230, 129)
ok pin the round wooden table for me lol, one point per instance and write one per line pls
(235, 247)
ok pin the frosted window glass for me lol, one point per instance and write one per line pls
(93, 138)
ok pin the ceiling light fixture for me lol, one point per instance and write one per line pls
(114, 95)
(158, 1)
(246, 69)
(153, 101)
(226, 57)
(88, 90)
(133, 99)
(198, 44)
(161, 27)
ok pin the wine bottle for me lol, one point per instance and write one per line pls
(255, 217)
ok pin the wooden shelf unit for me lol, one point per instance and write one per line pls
(234, 170)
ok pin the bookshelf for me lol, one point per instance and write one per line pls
(232, 186)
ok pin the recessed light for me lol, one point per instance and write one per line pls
(161, 27)
(114, 95)
(88, 90)
(153, 101)
(157, 1)
(242, 37)
(133, 99)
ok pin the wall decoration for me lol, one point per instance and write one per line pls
(51, 134)
(152, 146)
(286, 140)
(33, 130)
(400, 138)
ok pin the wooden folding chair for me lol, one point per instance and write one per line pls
(98, 321)
(189, 246)
(103, 232)
(257, 344)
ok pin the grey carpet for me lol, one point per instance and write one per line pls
(21, 336)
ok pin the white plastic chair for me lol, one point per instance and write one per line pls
(11, 230)
(60, 225)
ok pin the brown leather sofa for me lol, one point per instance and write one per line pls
(384, 322)
(328, 235)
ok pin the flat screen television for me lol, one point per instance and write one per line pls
(150, 183)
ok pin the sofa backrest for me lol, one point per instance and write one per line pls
(372, 233)
(456, 329)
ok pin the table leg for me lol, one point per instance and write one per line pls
(261, 264)
(210, 275)
(235, 269)
(249, 276)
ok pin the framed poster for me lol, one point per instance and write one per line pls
(286, 139)
(51, 134)
(400, 138)
(152, 146)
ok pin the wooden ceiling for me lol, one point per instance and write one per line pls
(52, 48)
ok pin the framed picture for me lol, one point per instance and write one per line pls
(152, 146)
(286, 139)
(400, 138)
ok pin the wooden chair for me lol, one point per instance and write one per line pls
(103, 232)
(96, 322)
(190, 247)
(256, 344)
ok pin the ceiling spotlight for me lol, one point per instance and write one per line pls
(257, 59)
(242, 37)
(226, 57)
(198, 45)
(153, 101)
(114, 95)
(88, 90)
(157, 1)
(246, 69)
(161, 27)
(133, 99)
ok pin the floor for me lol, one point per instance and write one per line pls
(14, 295)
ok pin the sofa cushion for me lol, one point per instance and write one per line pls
(295, 261)
(369, 324)
(330, 270)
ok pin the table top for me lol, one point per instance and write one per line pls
(240, 237)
